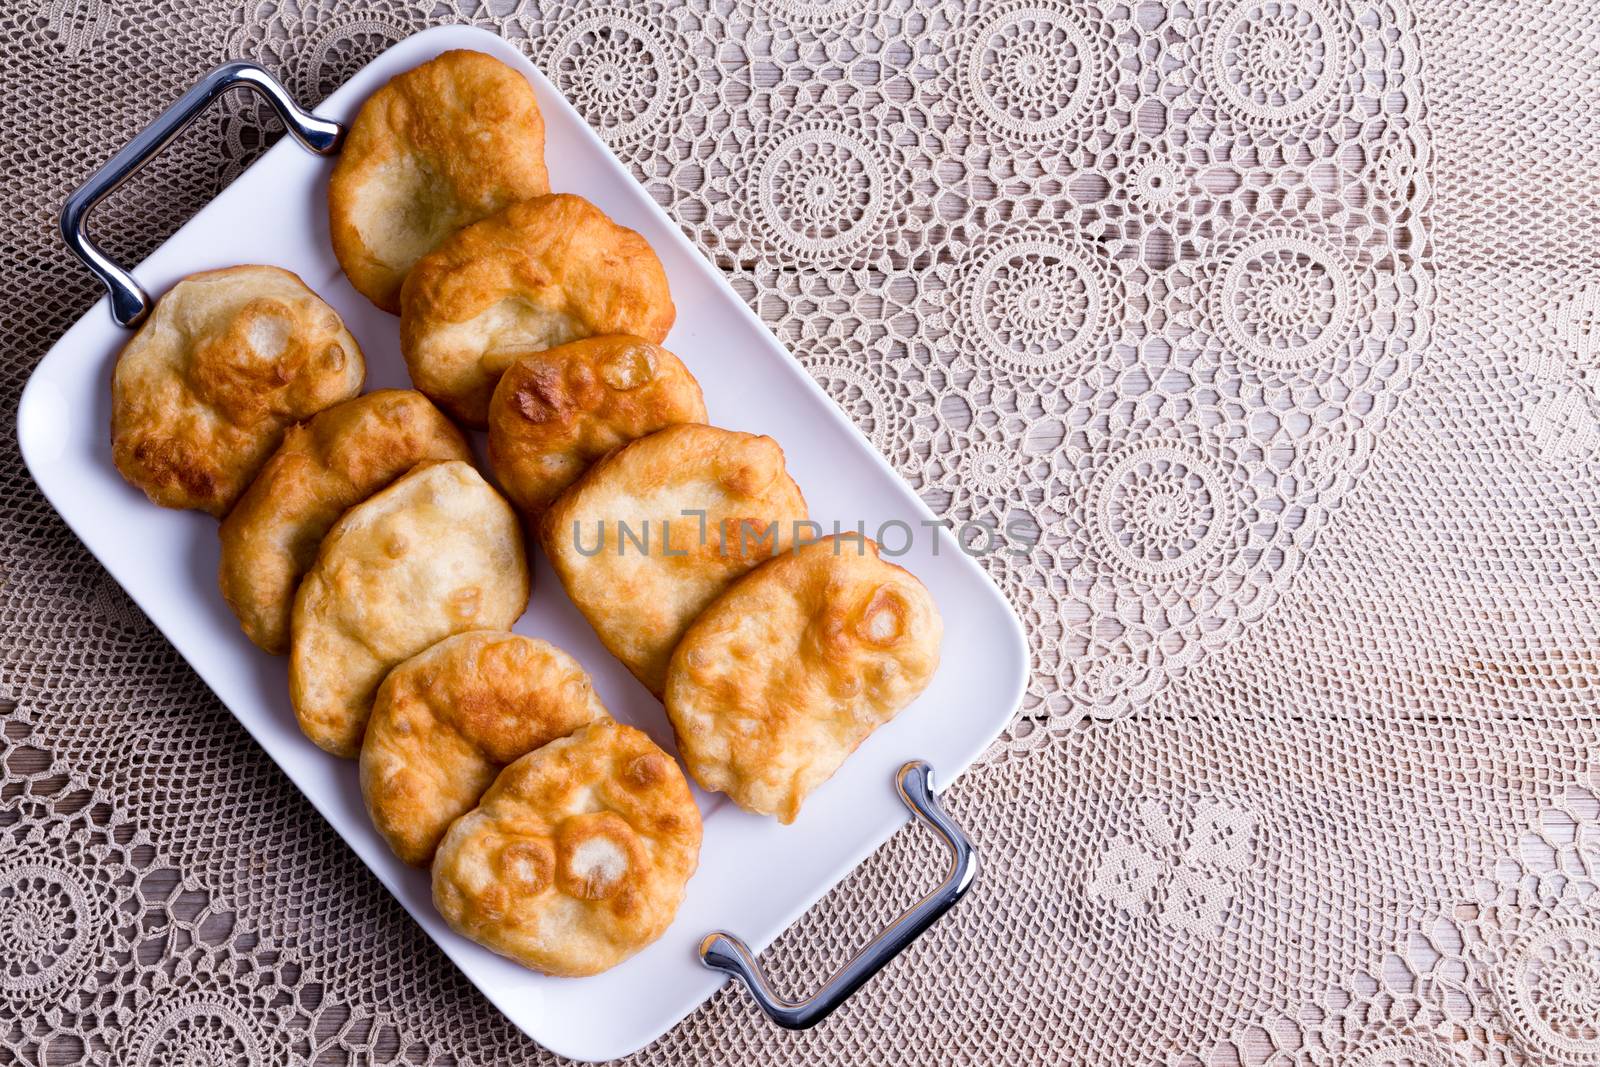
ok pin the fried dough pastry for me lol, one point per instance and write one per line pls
(324, 467)
(228, 358)
(447, 720)
(555, 412)
(780, 679)
(578, 855)
(656, 530)
(539, 274)
(440, 146)
(437, 553)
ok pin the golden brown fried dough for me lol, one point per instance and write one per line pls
(448, 719)
(656, 530)
(788, 671)
(537, 275)
(228, 358)
(578, 855)
(555, 412)
(437, 553)
(324, 467)
(440, 146)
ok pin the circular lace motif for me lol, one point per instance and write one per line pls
(49, 923)
(822, 189)
(200, 1030)
(1037, 303)
(344, 45)
(859, 395)
(1549, 991)
(1401, 1052)
(1160, 509)
(1108, 686)
(990, 467)
(1155, 184)
(1285, 300)
(1276, 62)
(1031, 69)
(813, 12)
(617, 71)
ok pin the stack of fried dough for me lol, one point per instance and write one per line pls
(360, 539)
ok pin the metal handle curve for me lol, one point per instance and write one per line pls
(129, 302)
(726, 953)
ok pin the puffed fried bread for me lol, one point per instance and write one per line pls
(779, 680)
(226, 361)
(437, 553)
(439, 147)
(557, 411)
(656, 530)
(539, 274)
(324, 467)
(448, 719)
(577, 856)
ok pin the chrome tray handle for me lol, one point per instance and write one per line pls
(129, 302)
(726, 953)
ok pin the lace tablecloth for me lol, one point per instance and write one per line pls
(1270, 324)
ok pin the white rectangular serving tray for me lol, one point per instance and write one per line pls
(755, 876)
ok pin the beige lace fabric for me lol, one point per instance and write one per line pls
(1274, 323)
